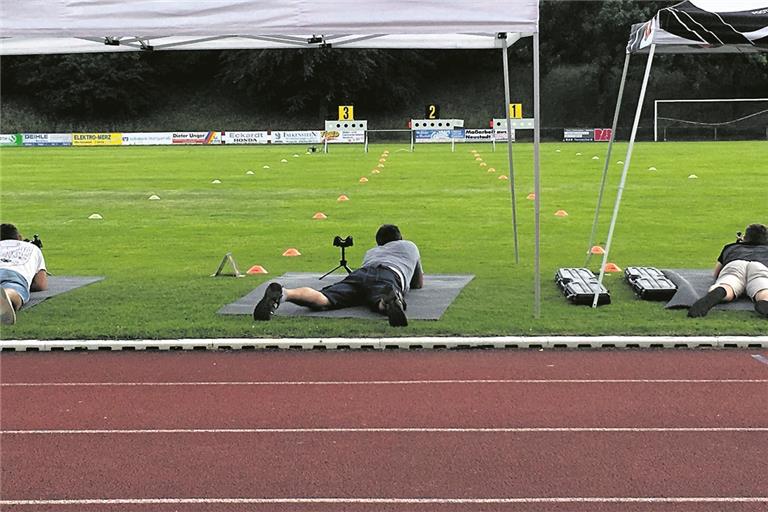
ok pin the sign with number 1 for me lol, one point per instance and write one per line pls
(516, 110)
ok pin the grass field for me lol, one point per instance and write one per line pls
(157, 255)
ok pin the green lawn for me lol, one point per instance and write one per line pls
(157, 255)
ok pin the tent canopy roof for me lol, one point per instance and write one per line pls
(704, 26)
(65, 26)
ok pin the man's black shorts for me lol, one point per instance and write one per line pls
(363, 287)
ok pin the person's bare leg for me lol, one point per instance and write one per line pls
(308, 297)
(10, 301)
(722, 293)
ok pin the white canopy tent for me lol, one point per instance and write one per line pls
(692, 26)
(83, 26)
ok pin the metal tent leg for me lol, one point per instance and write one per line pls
(607, 160)
(505, 59)
(624, 172)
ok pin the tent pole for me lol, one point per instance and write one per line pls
(627, 160)
(607, 160)
(536, 176)
(505, 59)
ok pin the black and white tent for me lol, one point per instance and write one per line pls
(66, 26)
(693, 26)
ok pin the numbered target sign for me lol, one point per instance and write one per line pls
(346, 113)
(516, 110)
(432, 111)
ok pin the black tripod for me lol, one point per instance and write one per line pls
(342, 264)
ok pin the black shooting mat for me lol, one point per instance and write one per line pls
(692, 284)
(58, 285)
(427, 303)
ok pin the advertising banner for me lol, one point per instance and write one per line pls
(46, 139)
(196, 138)
(297, 137)
(587, 135)
(344, 137)
(147, 139)
(245, 138)
(10, 139)
(501, 135)
(97, 139)
(479, 135)
(438, 135)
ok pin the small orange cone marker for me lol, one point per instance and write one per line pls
(291, 252)
(478, 159)
(531, 196)
(342, 197)
(596, 249)
(380, 166)
(382, 160)
(491, 169)
(319, 216)
(612, 267)
(483, 164)
(363, 180)
(375, 171)
(502, 177)
(257, 269)
(561, 213)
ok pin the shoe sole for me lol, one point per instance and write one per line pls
(7, 312)
(263, 310)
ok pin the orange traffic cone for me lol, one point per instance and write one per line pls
(612, 267)
(319, 216)
(596, 249)
(342, 197)
(375, 171)
(502, 177)
(561, 213)
(491, 169)
(531, 196)
(257, 269)
(291, 252)
(363, 180)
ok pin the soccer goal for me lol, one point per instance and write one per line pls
(398, 138)
(711, 119)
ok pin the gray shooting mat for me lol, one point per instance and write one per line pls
(427, 303)
(692, 284)
(58, 285)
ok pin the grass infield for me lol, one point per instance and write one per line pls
(157, 255)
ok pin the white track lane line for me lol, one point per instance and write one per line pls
(396, 501)
(391, 382)
(480, 430)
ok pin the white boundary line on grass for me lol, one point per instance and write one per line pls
(538, 342)
(394, 501)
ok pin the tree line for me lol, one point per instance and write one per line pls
(582, 53)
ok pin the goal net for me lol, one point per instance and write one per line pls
(711, 119)
(397, 139)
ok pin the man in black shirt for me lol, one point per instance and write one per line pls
(741, 267)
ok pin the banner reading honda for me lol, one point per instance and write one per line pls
(196, 138)
(297, 137)
(245, 138)
(46, 139)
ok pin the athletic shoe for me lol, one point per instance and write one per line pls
(269, 303)
(761, 306)
(7, 313)
(702, 306)
(394, 305)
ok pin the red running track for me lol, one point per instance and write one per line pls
(363, 431)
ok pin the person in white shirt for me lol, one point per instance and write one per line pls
(22, 269)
